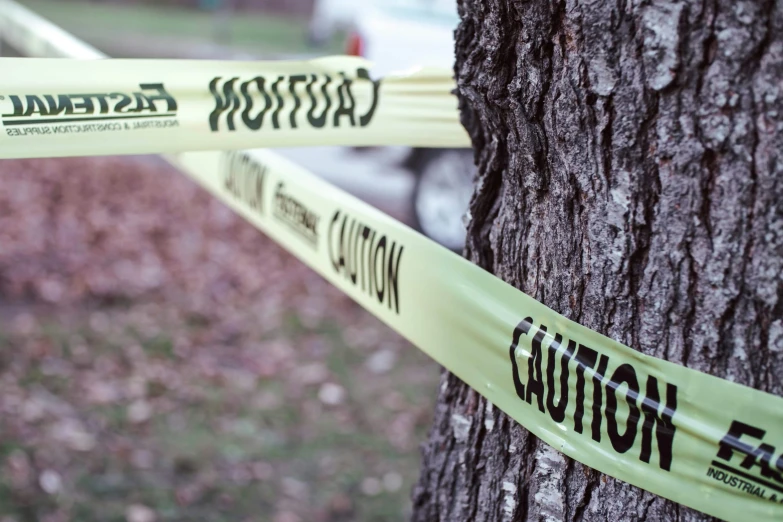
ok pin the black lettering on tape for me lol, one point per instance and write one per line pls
(120, 107)
(352, 267)
(280, 102)
(664, 426)
(16, 102)
(102, 102)
(366, 118)
(344, 95)
(85, 103)
(535, 382)
(228, 101)
(292, 81)
(244, 179)
(392, 277)
(35, 104)
(380, 280)
(377, 272)
(558, 411)
(335, 260)
(63, 104)
(160, 95)
(598, 377)
(624, 374)
(369, 270)
(365, 236)
(318, 121)
(222, 103)
(254, 123)
(760, 455)
(585, 358)
(523, 328)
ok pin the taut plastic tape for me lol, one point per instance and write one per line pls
(704, 442)
(696, 439)
(51, 107)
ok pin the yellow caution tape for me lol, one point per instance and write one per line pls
(52, 107)
(704, 442)
(696, 439)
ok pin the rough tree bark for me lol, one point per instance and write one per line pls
(630, 178)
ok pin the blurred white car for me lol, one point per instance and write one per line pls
(332, 16)
(397, 36)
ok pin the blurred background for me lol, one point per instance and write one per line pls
(162, 360)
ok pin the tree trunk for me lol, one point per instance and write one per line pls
(631, 179)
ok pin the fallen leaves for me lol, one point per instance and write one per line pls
(70, 432)
(331, 394)
(139, 513)
(139, 411)
(381, 361)
(50, 481)
(158, 353)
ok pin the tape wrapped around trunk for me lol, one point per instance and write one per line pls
(693, 438)
(704, 442)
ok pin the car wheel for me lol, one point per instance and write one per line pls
(441, 195)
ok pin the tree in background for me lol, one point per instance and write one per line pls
(631, 179)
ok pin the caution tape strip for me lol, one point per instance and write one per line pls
(704, 442)
(51, 107)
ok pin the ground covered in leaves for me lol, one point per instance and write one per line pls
(162, 360)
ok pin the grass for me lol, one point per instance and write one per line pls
(220, 396)
(256, 33)
(206, 448)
